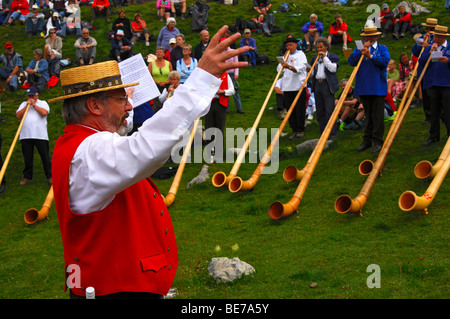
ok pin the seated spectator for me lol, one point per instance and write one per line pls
(123, 23)
(37, 70)
(54, 22)
(392, 75)
(262, 6)
(178, 6)
(265, 23)
(402, 22)
(283, 45)
(72, 21)
(167, 54)
(405, 67)
(187, 64)
(166, 33)
(201, 47)
(100, 8)
(338, 32)
(12, 65)
(160, 69)
(35, 22)
(59, 6)
(53, 46)
(247, 40)
(5, 11)
(386, 19)
(19, 10)
(85, 48)
(351, 114)
(177, 51)
(163, 7)
(121, 47)
(174, 83)
(139, 30)
(312, 30)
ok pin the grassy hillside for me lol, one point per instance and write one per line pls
(315, 245)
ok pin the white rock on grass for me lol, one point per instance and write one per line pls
(223, 269)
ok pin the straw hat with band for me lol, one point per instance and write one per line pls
(440, 30)
(370, 31)
(89, 79)
(430, 23)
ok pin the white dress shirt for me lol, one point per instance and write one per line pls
(293, 81)
(106, 163)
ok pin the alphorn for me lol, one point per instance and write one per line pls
(219, 179)
(11, 149)
(279, 210)
(169, 199)
(425, 169)
(409, 201)
(344, 203)
(366, 166)
(32, 215)
(237, 184)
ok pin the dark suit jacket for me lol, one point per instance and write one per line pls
(332, 79)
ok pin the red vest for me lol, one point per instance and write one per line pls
(224, 86)
(127, 246)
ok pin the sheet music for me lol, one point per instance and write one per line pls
(435, 55)
(134, 70)
(359, 44)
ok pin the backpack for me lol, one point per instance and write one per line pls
(285, 7)
(262, 59)
(54, 67)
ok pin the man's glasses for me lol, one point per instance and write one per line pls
(123, 99)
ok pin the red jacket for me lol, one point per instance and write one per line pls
(406, 17)
(128, 246)
(21, 5)
(334, 28)
(104, 3)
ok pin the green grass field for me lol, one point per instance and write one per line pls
(314, 245)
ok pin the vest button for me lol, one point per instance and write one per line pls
(170, 267)
(167, 230)
(168, 248)
(162, 212)
(154, 194)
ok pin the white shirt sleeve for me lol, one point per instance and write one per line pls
(106, 163)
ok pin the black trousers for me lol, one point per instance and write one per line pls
(297, 118)
(216, 116)
(439, 108)
(28, 150)
(374, 125)
(324, 105)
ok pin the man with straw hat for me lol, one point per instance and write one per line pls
(436, 82)
(116, 231)
(371, 86)
(423, 41)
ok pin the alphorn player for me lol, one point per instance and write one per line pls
(116, 231)
(422, 42)
(436, 82)
(371, 86)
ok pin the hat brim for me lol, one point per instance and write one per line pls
(370, 34)
(429, 25)
(108, 88)
(439, 33)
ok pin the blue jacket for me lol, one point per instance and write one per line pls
(415, 50)
(42, 69)
(371, 76)
(319, 27)
(437, 73)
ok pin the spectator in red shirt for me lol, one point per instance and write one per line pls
(19, 10)
(402, 22)
(386, 19)
(338, 32)
(139, 29)
(100, 8)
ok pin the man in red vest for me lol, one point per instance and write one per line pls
(116, 231)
